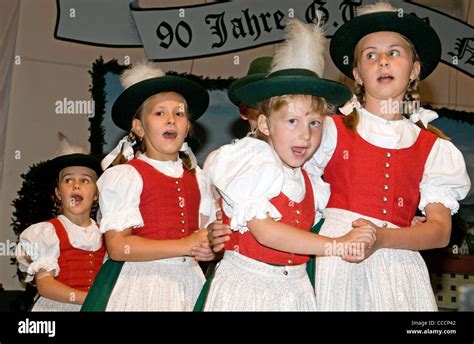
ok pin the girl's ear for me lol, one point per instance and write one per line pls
(262, 124)
(56, 192)
(357, 77)
(137, 128)
(415, 72)
(188, 127)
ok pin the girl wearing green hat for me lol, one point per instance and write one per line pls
(63, 255)
(152, 205)
(383, 162)
(267, 197)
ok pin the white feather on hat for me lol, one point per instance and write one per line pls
(304, 47)
(65, 148)
(381, 6)
(139, 72)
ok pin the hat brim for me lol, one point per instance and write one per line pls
(253, 93)
(127, 104)
(242, 82)
(422, 35)
(52, 167)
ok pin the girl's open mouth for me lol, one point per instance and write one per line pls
(170, 135)
(75, 200)
(385, 78)
(298, 151)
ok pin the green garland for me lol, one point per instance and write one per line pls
(96, 128)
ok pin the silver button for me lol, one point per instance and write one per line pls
(285, 272)
(388, 155)
(90, 271)
(385, 199)
(297, 221)
(182, 222)
(387, 176)
(298, 212)
(387, 165)
(384, 211)
(385, 187)
(384, 225)
(182, 230)
(182, 214)
(179, 190)
(176, 182)
(290, 261)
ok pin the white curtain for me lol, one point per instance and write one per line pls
(9, 15)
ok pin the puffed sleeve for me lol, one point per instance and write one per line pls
(322, 192)
(323, 154)
(206, 197)
(38, 249)
(120, 188)
(247, 174)
(445, 179)
(211, 201)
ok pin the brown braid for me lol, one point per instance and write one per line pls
(187, 163)
(412, 96)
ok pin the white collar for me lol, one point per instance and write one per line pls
(170, 168)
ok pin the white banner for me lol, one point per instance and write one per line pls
(220, 28)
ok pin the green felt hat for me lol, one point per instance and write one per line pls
(422, 36)
(127, 104)
(52, 167)
(258, 69)
(293, 81)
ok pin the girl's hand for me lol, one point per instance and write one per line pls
(219, 233)
(418, 220)
(362, 248)
(203, 252)
(195, 239)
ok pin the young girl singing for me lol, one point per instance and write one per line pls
(63, 255)
(383, 162)
(151, 205)
(267, 198)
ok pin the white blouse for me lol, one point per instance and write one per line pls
(445, 179)
(120, 188)
(249, 173)
(39, 245)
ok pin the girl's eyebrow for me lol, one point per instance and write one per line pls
(77, 174)
(367, 49)
(390, 46)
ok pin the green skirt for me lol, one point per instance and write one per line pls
(99, 294)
